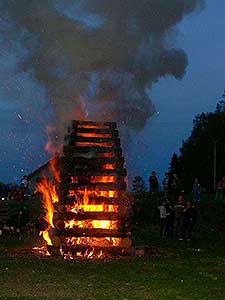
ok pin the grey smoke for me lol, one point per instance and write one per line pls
(97, 57)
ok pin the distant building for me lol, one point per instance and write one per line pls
(42, 171)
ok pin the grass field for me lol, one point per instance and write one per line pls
(186, 273)
(178, 271)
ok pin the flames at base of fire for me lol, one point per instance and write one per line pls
(50, 198)
(93, 242)
(90, 215)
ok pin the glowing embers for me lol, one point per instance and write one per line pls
(103, 179)
(94, 135)
(105, 155)
(93, 207)
(93, 242)
(100, 224)
(108, 166)
(74, 179)
(94, 179)
(85, 205)
(92, 126)
(88, 247)
(95, 193)
(109, 194)
(90, 144)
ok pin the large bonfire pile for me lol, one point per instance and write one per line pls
(87, 205)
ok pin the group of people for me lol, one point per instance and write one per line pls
(16, 218)
(177, 220)
(170, 183)
(172, 186)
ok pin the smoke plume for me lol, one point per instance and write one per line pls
(97, 57)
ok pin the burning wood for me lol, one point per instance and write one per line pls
(90, 210)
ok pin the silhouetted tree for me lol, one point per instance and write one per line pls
(197, 154)
(138, 184)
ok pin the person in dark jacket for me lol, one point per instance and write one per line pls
(189, 219)
(175, 187)
(170, 218)
(153, 183)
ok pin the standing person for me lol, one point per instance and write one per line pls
(163, 215)
(24, 181)
(196, 190)
(166, 184)
(153, 183)
(175, 187)
(21, 223)
(189, 219)
(170, 218)
(223, 188)
(24, 187)
(179, 208)
(219, 190)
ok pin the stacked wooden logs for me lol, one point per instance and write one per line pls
(92, 152)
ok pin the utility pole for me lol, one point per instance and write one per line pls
(214, 165)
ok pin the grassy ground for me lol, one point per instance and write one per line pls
(178, 272)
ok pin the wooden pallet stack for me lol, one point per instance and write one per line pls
(93, 206)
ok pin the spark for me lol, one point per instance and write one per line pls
(19, 116)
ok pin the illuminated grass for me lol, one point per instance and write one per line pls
(184, 274)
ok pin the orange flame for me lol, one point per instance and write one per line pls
(95, 135)
(90, 144)
(46, 189)
(102, 224)
(53, 169)
(103, 179)
(105, 154)
(86, 206)
(46, 237)
(104, 242)
(84, 200)
(108, 167)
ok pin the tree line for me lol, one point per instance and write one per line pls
(202, 154)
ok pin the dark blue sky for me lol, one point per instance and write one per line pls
(25, 111)
(178, 102)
